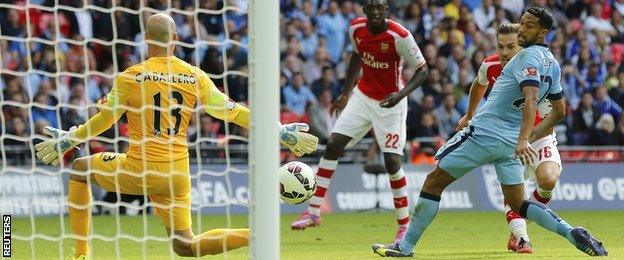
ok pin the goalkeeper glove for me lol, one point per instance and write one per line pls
(299, 142)
(50, 151)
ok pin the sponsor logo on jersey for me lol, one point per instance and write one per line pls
(369, 60)
(384, 47)
(529, 72)
(358, 40)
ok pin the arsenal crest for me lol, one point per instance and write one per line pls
(384, 47)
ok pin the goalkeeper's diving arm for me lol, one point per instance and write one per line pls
(52, 150)
(97, 124)
(292, 135)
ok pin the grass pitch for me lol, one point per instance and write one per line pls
(453, 235)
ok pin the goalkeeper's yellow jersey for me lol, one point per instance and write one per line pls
(158, 97)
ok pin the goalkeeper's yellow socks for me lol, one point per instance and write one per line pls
(79, 206)
(217, 241)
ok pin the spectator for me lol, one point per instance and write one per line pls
(596, 22)
(428, 129)
(321, 122)
(76, 57)
(208, 129)
(572, 80)
(617, 93)
(484, 14)
(17, 109)
(447, 116)
(584, 118)
(604, 133)
(327, 82)
(594, 76)
(500, 17)
(40, 111)
(347, 10)
(514, 7)
(415, 113)
(612, 78)
(307, 12)
(414, 21)
(308, 40)
(213, 22)
(452, 9)
(333, 26)
(312, 67)
(18, 139)
(298, 95)
(618, 26)
(292, 64)
(19, 131)
(604, 104)
(619, 132)
(71, 116)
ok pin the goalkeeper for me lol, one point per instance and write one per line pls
(158, 97)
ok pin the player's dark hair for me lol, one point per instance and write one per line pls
(545, 17)
(507, 28)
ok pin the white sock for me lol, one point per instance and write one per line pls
(323, 177)
(398, 184)
(546, 194)
(518, 228)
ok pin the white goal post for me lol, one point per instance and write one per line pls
(264, 209)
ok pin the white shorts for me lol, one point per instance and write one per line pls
(363, 113)
(546, 148)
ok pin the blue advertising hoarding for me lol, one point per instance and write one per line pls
(218, 189)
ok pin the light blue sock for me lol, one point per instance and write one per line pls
(545, 217)
(421, 216)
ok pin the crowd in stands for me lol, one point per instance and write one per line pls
(62, 65)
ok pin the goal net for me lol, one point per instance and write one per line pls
(57, 59)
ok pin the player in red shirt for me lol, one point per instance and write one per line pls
(380, 49)
(547, 170)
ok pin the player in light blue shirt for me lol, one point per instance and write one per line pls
(500, 133)
(501, 115)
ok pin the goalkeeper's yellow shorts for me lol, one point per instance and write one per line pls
(168, 184)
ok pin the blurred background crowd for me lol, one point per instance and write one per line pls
(54, 69)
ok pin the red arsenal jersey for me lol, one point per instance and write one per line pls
(383, 56)
(489, 71)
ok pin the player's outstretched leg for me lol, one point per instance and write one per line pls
(546, 175)
(546, 218)
(421, 215)
(327, 166)
(211, 242)
(398, 183)
(79, 207)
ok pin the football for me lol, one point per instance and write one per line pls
(297, 182)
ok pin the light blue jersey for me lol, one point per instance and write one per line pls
(501, 115)
(492, 134)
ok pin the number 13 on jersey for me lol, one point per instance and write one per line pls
(174, 112)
